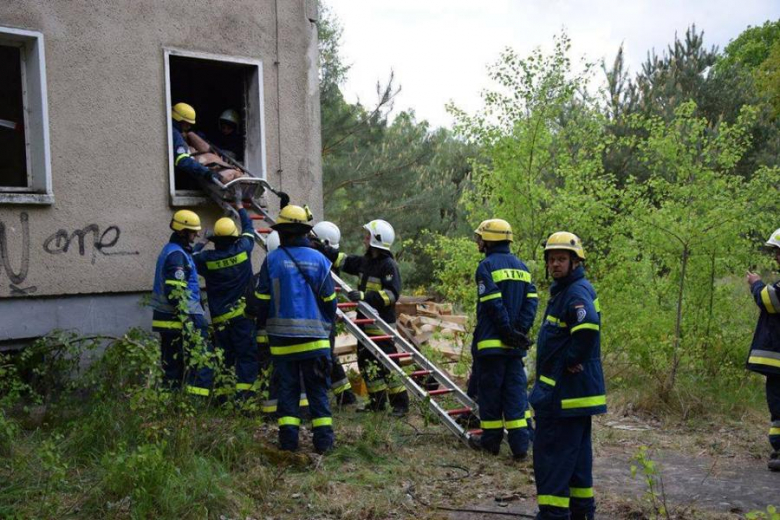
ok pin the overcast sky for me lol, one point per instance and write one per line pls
(439, 49)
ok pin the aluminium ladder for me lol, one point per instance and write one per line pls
(412, 381)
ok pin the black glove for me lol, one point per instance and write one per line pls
(284, 199)
(518, 340)
(356, 296)
(316, 243)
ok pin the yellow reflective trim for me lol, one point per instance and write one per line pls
(490, 297)
(377, 388)
(491, 343)
(250, 235)
(373, 286)
(180, 157)
(545, 379)
(167, 324)
(552, 500)
(329, 298)
(177, 283)
(774, 431)
(517, 275)
(343, 388)
(340, 260)
(517, 423)
(322, 421)
(528, 414)
(396, 389)
(196, 390)
(532, 295)
(597, 305)
(262, 338)
(756, 360)
(583, 326)
(301, 347)
(243, 386)
(270, 408)
(227, 262)
(385, 297)
(581, 492)
(289, 421)
(239, 311)
(556, 321)
(491, 425)
(261, 296)
(767, 300)
(584, 402)
(303, 402)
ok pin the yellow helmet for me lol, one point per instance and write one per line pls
(183, 112)
(294, 218)
(494, 230)
(563, 240)
(185, 219)
(225, 227)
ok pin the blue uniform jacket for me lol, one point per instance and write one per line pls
(228, 271)
(175, 269)
(507, 300)
(569, 336)
(297, 313)
(764, 356)
(183, 161)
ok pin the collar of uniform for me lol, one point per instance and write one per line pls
(179, 239)
(176, 125)
(559, 285)
(297, 242)
(497, 248)
(223, 243)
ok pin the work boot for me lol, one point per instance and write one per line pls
(400, 411)
(774, 461)
(346, 398)
(520, 457)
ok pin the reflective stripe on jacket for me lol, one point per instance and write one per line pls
(764, 356)
(185, 277)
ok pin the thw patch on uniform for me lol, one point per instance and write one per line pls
(581, 313)
(180, 150)
(179, 274)
(481, 288)
(389, 278)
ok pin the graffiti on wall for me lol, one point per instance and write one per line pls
(86, 241)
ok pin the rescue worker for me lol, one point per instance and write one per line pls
(227, 270)
(569, 388)
(295, 303)
(229, 139)
(178, 314)
(270, 383)
(506, 308)
(329, 235)
(380, 287)
(183, 116)
(764, 355)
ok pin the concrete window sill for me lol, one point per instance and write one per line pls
(27, 198)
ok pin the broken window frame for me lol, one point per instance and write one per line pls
(36, 119)
(255, 149)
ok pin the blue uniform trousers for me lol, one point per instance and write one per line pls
(773, 400)
(315, 376)
(563, 468)
(503, 401)
(174, 355)
(237, 339)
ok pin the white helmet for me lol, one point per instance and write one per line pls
(328, 232)
(272, 241)
(774, 240)
(231, 116)
(382, 234)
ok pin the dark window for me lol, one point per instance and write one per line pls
(211, 87)
(13, 150)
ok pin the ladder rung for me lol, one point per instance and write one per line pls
(396, 355)
(475, 432)
(257, 217)
(418, 373)
(441, 391)
(247, 204)
(337, 289)
(263, 231)
(347, 305)
(363, 321)
(459, 411)
(381, 338)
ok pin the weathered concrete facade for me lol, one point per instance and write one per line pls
(108, 127)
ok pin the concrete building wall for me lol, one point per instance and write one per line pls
(108, 134)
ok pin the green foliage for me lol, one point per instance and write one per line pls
(770, 514)
(654, 492)
(751, 48)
